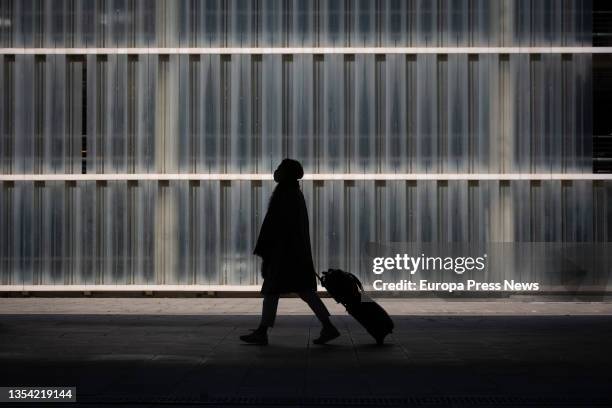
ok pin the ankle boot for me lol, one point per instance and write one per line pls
(328, 332)
(259, 336)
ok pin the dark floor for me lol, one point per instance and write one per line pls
(132, 360)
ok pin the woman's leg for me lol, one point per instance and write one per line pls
(316, 304)
(268, 315)
(268, 311)
(329, 331)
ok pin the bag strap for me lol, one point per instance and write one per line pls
(358, 282)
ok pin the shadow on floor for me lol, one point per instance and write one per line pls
(127, 360)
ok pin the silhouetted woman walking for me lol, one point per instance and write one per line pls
(284, 246)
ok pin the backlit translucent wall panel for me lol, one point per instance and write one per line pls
(499, 113)
(337, 113)
(203, 232)
(293, 23)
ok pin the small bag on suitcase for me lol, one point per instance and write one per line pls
(346, 288)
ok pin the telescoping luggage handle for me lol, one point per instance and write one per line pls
(355, 279)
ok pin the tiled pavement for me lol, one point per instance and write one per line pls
(445, 355)
(554, 306)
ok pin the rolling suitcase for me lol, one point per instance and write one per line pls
(346, 288)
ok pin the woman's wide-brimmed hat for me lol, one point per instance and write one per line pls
(288, 170)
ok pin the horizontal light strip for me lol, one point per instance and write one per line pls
(220, 288)
(312, 50)
(132, 288)
(321, 176)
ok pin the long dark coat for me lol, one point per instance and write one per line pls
(284, 243)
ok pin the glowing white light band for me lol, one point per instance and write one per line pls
(320, 176)
(312, 50)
